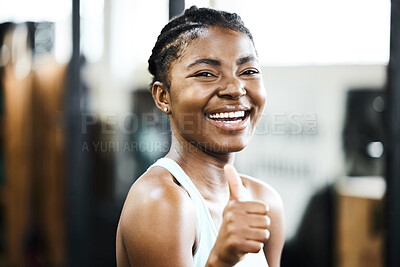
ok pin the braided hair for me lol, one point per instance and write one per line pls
(181, 30)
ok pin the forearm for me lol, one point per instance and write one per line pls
(215, 261)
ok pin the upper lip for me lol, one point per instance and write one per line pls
(229, 108)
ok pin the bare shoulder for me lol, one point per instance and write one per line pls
(156, 186)
(158, 213)
(155, 190)
(262, 191)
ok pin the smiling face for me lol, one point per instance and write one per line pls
(216, 94)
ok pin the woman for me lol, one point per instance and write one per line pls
(191, 208)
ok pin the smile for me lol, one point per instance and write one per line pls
(230, 121)
(229, 117)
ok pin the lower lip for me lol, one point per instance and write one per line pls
(231, 127)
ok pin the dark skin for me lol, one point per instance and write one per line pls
(218, 72)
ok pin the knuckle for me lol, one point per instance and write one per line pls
(226, 209)
(255, 248)
(235, 243)
(229, 217)
(260, 207)
(267, 234)
(265, 237)
(231, 229)
(264, 207)
(232, 206)
(228, 206)
(268, 220)
(264, 222)
(237, 206)
(231, 203)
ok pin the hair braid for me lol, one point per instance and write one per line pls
(181, 30)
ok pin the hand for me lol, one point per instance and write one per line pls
(244, 227)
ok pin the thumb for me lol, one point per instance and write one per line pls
(234, 183)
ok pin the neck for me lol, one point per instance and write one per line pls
(205, 168)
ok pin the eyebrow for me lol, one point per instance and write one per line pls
(214, 62)
(208, 61)
(244, 60)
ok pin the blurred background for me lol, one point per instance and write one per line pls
(78, 125)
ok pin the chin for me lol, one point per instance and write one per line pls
(229, 147)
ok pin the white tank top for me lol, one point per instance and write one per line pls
(207, 233)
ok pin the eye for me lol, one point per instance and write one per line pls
(250, 72)
(204, 74)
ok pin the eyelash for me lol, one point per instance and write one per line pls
(208, 74)
(250, 72)
(204, 74)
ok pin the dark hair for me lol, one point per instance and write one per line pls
(179, 31)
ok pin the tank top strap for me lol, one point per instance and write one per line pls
(184, 180)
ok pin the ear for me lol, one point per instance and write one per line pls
(161, 97)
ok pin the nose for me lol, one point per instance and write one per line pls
(233, 88)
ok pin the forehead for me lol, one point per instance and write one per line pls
(218, 43)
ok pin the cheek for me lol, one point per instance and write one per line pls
(190, 98)
(187, 109)
(259, 96)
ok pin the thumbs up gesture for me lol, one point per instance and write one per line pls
(234, 182)
(244, 227)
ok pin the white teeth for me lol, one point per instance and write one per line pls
(231, 115)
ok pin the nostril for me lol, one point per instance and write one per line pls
(231, 96)
(231, 91)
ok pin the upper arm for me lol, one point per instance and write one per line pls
(158, 228)
(266, 194)
(273, 247)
